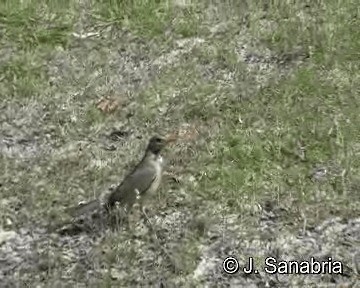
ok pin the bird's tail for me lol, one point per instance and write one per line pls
(83, 209)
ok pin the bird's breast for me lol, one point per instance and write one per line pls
(158, 164)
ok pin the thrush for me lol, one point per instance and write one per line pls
(141, 183)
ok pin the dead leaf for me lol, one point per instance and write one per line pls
(108, 104)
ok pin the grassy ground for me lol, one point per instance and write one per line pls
(271, 89)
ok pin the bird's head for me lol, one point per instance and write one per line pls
(157, 143)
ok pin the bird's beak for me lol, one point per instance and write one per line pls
(170, 138)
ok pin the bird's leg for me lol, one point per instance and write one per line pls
(150, 225)
(145, 216)
(117, 217)
(133, 216)
(156, 240)
(133, 210)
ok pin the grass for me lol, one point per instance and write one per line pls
(264, 124)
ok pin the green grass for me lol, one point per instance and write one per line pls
(261, 155)
(149, 18)
(30, 30)
(34, 25)
(255, 119)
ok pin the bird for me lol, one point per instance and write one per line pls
(142, 182)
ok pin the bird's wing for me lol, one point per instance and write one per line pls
(141, 178)
(139, 181)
